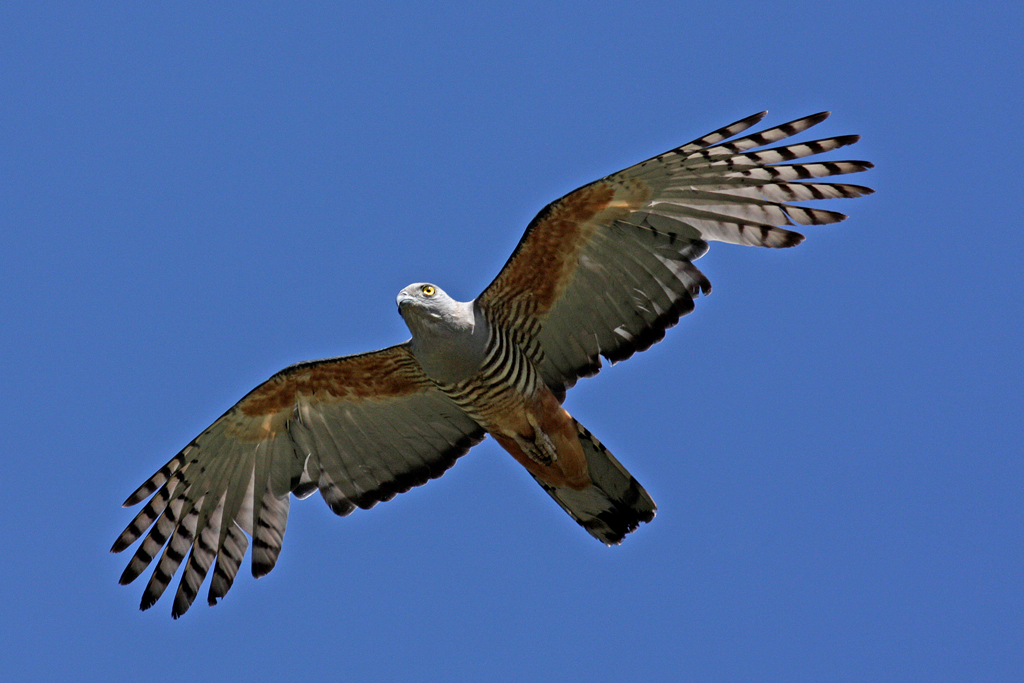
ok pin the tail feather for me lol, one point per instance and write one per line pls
(611, 507)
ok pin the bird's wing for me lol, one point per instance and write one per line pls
(606, 269)
(358, 428)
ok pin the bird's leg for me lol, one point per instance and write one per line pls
(542, 442)
(534, 450)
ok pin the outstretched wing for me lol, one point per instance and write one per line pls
(358, 428)
(606, 269)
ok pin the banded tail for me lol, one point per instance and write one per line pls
(611, 507)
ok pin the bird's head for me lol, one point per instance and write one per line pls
(424, 304)
(447, 338)
(421, 295)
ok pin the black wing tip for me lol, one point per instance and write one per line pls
(342, 508)
(137, 496)
(259, 571)
(792, 239)
(182, 603)
(803, 123)
(147, 601)
(747, 121)
(128, 575)
(743, 124)
(304, 490)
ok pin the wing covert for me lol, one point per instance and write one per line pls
(360, 429)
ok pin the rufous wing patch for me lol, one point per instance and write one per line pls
(377, 376)
(255, 428)
(544, 262)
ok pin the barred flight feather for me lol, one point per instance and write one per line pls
(799, 150)
(173, 555)
(199, 561)
(770, 135)
(148, 549)
(803, 171)
(158, 479)
(723, 133)
(229, 559)
(237, 487)
(268, 532)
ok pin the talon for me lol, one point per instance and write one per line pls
(545, 443)
(538, 451)
(542, 449)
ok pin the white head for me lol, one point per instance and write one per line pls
(447, 338)
(424, 305)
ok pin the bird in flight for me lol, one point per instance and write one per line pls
(603, 271)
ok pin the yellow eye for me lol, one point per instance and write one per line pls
(428, 290)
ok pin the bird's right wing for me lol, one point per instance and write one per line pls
(358, 428)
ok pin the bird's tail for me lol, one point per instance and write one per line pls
(614, 504)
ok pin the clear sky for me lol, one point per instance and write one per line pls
(193, 197)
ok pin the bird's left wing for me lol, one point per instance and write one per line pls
(606, 269)
(358, 428)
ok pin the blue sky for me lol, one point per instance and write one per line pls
(193, 197)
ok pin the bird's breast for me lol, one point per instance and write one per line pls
(450, 355)
(507, 397)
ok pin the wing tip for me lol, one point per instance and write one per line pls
(261, 569)
(791, 239)
(746, 123)
(180, 607)
(825, 217)
(138, 495)
(147, 601)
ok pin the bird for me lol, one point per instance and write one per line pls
(602, 272)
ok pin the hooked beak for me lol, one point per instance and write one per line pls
(404, 300)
